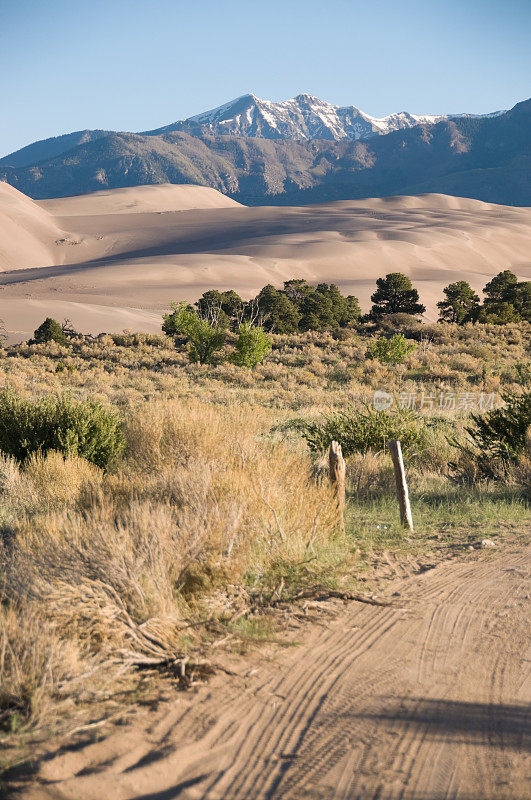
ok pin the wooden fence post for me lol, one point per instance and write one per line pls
(401, 485)
(337, 479)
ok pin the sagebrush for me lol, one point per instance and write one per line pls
(84, 428)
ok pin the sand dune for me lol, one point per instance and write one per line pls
(28, 233)
(138, 199)
(117, 258)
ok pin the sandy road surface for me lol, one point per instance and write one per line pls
(422, 701)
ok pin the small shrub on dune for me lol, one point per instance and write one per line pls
(83, 428)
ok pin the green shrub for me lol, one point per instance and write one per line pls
(49, 331)
(205, 336)
(359, 430)
(497, 439)
(83, 428)
(390, 351)
(62, 367)
(252, 346)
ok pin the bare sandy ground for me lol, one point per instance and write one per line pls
(116, 259)
(426, 700)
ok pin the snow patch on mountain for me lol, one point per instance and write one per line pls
(302, 117)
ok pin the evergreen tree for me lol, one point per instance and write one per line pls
(49, 331)
(345, 310)
(297, 289)
(460, 303)
(209, 300)
(500, 288)
(353, 310)
(316, 312)
(278, 313)
(521, 299)
(498, 313)
(395, 295)
(506, 300)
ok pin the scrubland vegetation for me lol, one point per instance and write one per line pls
(152, 507)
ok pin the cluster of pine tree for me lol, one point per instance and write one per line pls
(299, 306)
(506, 300)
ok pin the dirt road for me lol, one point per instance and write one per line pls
(424, 701)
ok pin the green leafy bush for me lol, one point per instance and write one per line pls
(390, 351)
(362, 429)
(205, 336)
(83, 428)
(252, 346)
(497, 439)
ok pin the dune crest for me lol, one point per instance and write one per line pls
(140, 200)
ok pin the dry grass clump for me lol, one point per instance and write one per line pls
(37, 667)
(44, 482)
(370, 473)
(203, 511)
(523, 467)
(258, 496)
(17, 493)
(60, 480)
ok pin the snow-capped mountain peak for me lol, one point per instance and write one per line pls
(303, 117)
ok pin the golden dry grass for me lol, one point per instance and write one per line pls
(111, 570)
(211, 506)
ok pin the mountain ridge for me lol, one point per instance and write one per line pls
(44, 149)
(484, 157)
(301, 117)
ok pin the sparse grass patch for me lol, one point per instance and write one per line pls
(445, 517)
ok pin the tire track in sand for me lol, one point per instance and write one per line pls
(426, 701)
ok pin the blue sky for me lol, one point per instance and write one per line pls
(133, 65)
